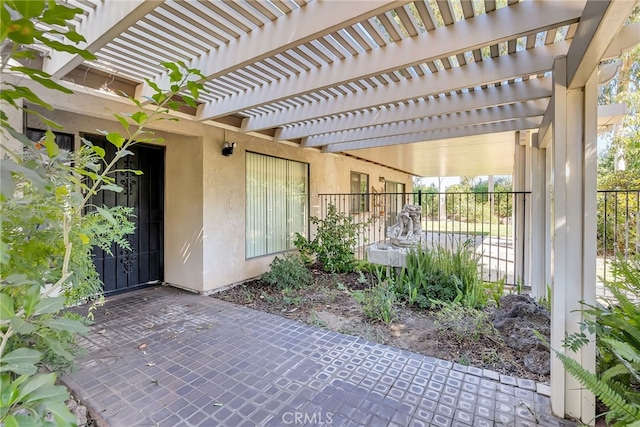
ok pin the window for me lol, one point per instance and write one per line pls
(359, 185)
(63, 140)
(394, 200)
(393, 187)
(277, 204)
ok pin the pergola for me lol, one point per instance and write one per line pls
(430, 87)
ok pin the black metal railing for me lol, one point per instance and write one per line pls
(492, 223)
(618, 225)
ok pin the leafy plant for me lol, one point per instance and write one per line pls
(288, 272)
(545, 301)
(378, 302)
(497, 291)
(48, 222)
(616, 325)
(441, 275)
(334, 243)
(463, 322)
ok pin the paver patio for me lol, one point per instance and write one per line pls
(161, 356)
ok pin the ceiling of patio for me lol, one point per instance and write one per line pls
(431, 87)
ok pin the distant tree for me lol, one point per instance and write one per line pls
(619, 164)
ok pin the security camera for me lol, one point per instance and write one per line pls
(227, 150)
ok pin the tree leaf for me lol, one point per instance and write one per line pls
(28, 173)
(74, 37)
(16, 280)
(56, 346)
(111, 187)
(194, 88)
(23, 420)
(49, 305)
(57, 14)
(22, 31)
(21, 361)
(107, 215)
(50, 84)
(41, 77)
(29, 9)
(48, 392)
(6, 307)
(85, 239)
(34, 383)
(116, 139)
(64, 324)
(124, 153)
(99, 151)
(139, 117)
(61, 47)
(122, 120)
(13, 420)
(21, 326)
(23, 92)
(189, 101)
(62, 414)
(50, 144)
(27, 54)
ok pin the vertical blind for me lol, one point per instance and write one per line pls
(277, 203)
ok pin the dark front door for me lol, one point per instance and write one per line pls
(143, 264)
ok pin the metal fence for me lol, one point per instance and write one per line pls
(618, 225)
(486, 222)
(494, 224)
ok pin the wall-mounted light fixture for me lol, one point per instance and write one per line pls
(381, 179)
(228, 147)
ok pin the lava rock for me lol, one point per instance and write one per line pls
(517, 317)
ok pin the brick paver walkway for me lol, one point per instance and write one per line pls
(161, 356)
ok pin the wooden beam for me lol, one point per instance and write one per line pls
(466, 118)
(523, 63)
(444, 42)
(107, 21)
(312, 21)
(598, 27)
(505, 126)
(531, 89)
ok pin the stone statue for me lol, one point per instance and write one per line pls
(407, 231)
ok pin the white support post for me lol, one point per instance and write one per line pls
(548, 215)
(574, 168)
(537, 203)
(519, 182)
(528, 212)
(589, 229)
(559, 234)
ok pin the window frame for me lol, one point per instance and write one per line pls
(360, 199)
(287, 236)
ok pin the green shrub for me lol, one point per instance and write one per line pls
(378, 302)
(442, 286)
(441, 275)
(335, 241)
(616, 326)
(289, 272)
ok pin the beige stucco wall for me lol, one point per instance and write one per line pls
(205, 191)
(225, 261)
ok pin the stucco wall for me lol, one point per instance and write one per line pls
(205, 191)
(224, 195)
